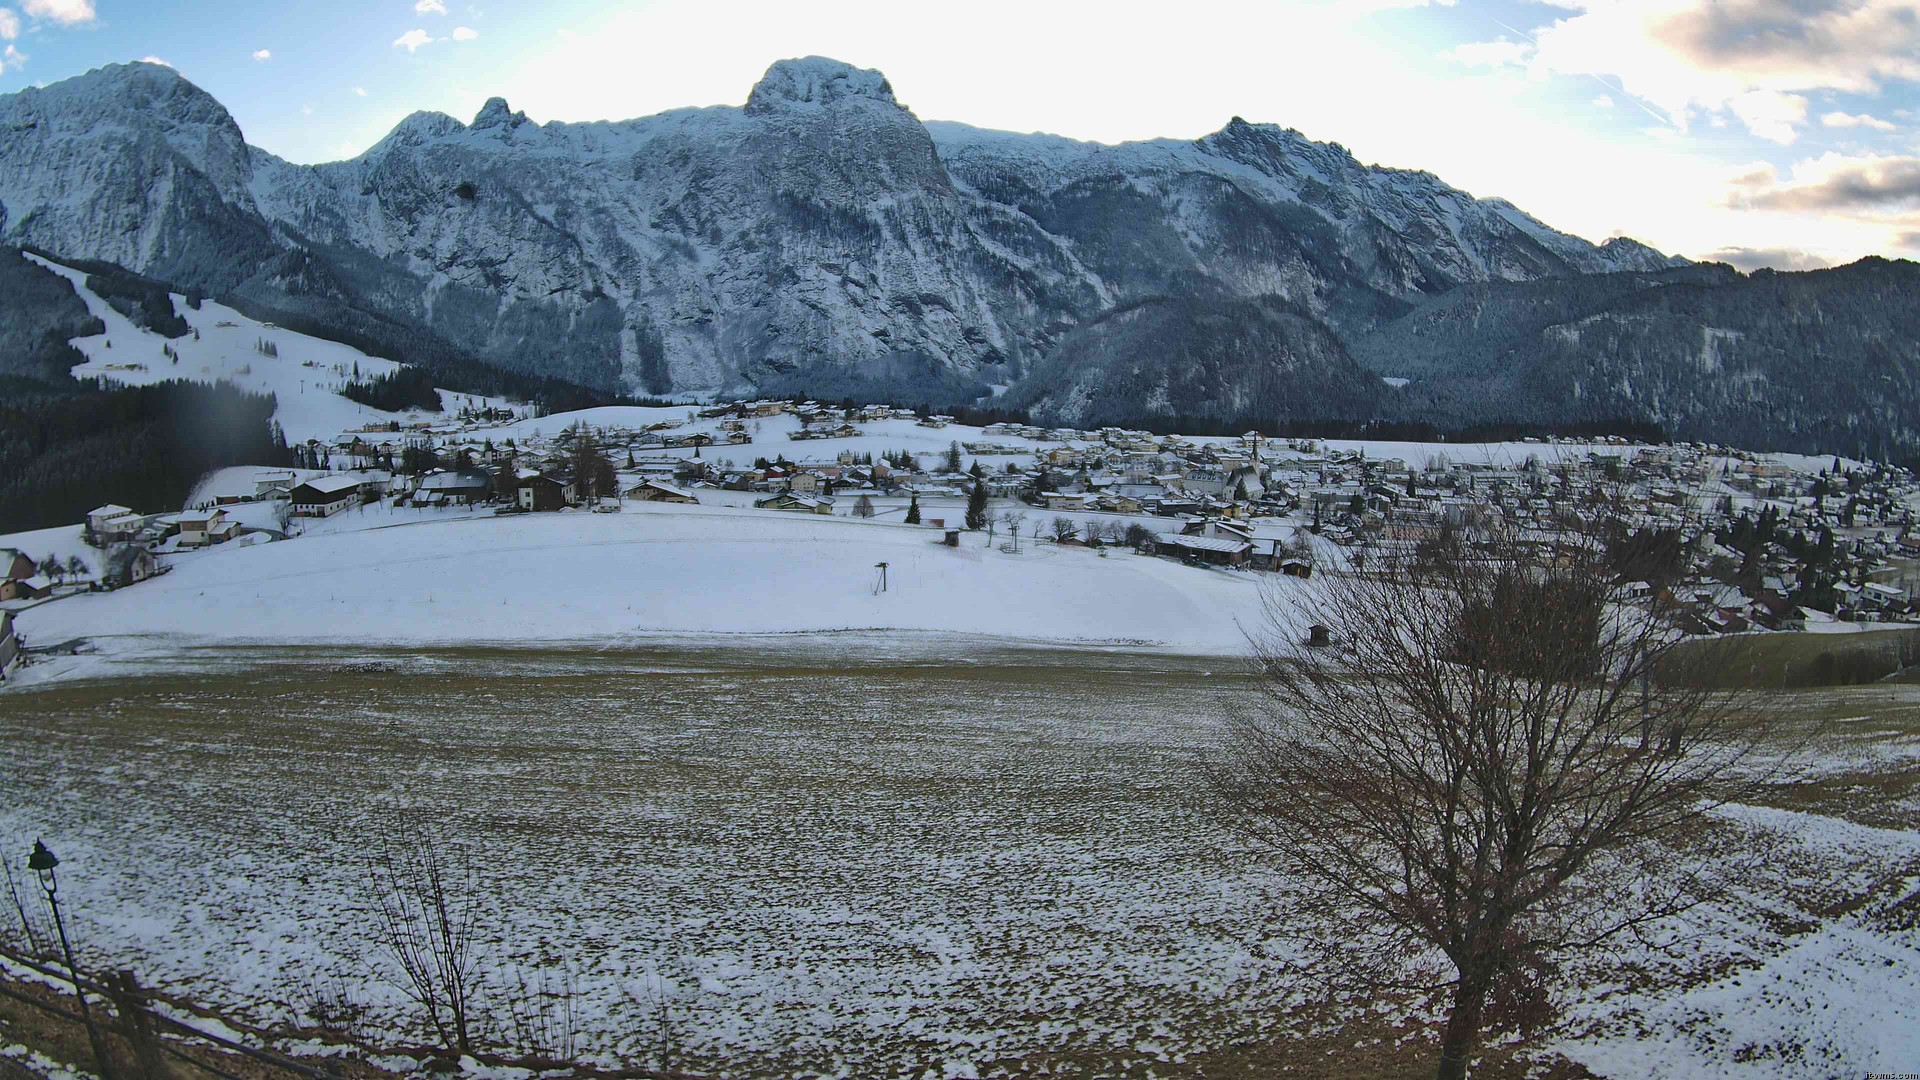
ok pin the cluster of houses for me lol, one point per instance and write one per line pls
(1838, 544)
(1246, 502)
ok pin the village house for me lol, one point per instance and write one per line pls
(276, 486)
(18, 564)
(544, 493)
(460, 487)
(111, 524)
(201, 528)
(1213, 550)
(32, 587)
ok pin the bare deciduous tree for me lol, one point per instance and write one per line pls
(1484, 774)
(427, 901)
(1011, 520)
(1064, 529)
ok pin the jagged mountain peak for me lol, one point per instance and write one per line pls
(152, 90)
(1630, 254)
(419, 127)
(496, 114)
(817, 82)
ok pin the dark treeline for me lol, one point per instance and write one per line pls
(39, 312)
(67, 449)
(144, 300)
(403, 388)
(1381, 430)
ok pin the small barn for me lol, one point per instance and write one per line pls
(1212, 550)
(798, 504)
(127, 566)
(655, 491)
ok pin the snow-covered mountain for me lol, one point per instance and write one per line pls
(820, 237)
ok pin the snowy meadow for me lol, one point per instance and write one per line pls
(866, 855)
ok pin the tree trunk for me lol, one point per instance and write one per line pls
(1462, 1032)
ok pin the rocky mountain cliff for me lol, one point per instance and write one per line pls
(822, 238)
(820, 235)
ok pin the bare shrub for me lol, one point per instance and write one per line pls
(539, 1021)
(426, 898)
(326, 1003)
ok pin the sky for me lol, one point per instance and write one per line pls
(1779, 133)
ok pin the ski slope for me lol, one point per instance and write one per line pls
(305, 379)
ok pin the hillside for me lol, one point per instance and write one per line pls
(305, 375)
(1827, 358)
(120, 391)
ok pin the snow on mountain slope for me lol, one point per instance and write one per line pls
(820, 238)
(305, 378)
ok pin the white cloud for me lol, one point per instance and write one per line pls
(413, 39)
(359, 91)
(1746, 258)
(306, 110)
(1490, 53)
(1770, 114)
(1869, 186)
(11, 57)
(9, 24)
(1851, 120)
(64, 12)
(263, 55)
(1604, 101)
(465, 33)
(155, 60)
(1707, 57)
(429, 7)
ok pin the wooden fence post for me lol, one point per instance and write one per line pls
(136, 1027)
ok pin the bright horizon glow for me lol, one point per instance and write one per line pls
(1708, 129)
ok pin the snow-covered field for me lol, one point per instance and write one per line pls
(865, 855)
(655, 570)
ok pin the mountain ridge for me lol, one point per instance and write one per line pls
(823, 146)
(821, 238)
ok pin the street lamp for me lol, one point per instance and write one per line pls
(42, 862)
